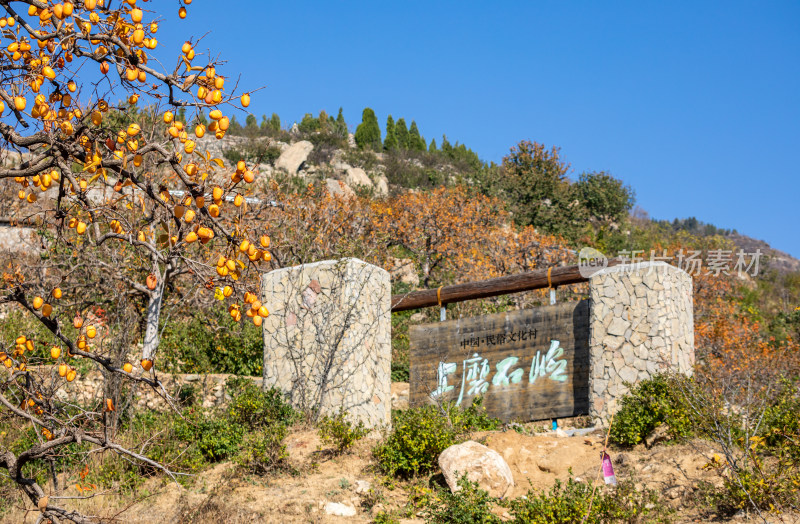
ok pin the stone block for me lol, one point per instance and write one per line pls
(651, 333)
(327, 343)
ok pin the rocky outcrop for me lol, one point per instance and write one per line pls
(480, 464)
(355, 176)
(293, 158)
(381, 186)
(337, 187)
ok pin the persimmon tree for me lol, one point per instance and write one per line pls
(130, 209)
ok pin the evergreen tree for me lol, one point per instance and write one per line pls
(446, 147)
(432, 147)
(308, 124)
(401, 131)
(275, 122)
(250, 122)
(391, 138)
(235, 128)
(323, 120)
(341, 125)
(415, 141)
(368, 132)
(264, 124)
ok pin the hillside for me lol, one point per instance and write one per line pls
(432, 216)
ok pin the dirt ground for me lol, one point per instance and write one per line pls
(223, 495)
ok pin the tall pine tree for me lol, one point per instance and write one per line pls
(341, 125)
(401, 131)
(390, 142)
(368, 132)
(432, 147)
(415, 141)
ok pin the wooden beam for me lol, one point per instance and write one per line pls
(559, 276)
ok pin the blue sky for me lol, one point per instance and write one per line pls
(696, 105)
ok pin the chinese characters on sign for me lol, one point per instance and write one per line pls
(475, 371)
(526, 365)
(498, 339)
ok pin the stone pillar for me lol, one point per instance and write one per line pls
(641, 324)
(327, 340)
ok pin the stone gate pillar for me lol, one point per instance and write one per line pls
(327, 340)
(641, 323)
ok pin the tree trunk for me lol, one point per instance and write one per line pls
(151, 321)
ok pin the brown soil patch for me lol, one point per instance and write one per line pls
(223, 494)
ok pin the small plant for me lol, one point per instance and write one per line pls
(385, 518)
(264, 451)
(469, 505)
(340, 432)
(782, 420)
(254, 408)
(401, 372)
(256, 151)
(768, 481)
(572, 502)
(215, 437)
(420, 434)
(649, 404)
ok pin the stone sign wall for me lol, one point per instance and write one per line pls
(327, 340)
(528, 364)
(638, 322)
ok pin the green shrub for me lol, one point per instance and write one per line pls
(472, 418)
(254, 408)
(649, 404)
(385, 518)
(325, 146)
(212, 342)
(470, 505)
(340, 432)
(781, 422)
(214, 436)
(264, 451)
(767, 488)
(420, 434)
(256, 151)
(569, 502)
(401, 372)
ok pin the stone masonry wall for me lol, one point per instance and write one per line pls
(209, 390)
(327, 340)
(641, 324)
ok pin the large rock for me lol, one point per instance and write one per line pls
(481, 464)
(337, 187)
(355, 176)
(294, 156)
(340, 510)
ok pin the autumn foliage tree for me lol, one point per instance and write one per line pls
(130, 208)
(456, 235)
